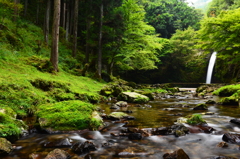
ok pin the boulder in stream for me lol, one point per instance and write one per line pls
(58, 154)
(133, 97)
(5, 146)
(235, 121)
(178, 154)
(231, 138)
(201, 107)
(135, 136)
(83, 147)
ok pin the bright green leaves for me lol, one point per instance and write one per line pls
(221, 34)
(140, 44)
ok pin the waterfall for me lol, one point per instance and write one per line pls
(210, 67)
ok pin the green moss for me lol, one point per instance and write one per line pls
(141, 99)
(67, 115)
(10, 128)
(227, 90)
(195, 119)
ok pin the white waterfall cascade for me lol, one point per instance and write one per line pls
(210, 67)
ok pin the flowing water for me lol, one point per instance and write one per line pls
(210, 67)
(157, 113)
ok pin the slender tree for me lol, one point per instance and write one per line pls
(46, 26)
(99, 68)
(55, 35)
(75, 27)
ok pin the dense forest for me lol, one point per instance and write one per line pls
(144, 41)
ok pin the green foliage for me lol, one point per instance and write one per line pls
(140, 45)
(196, 119)
(221, 35)
(166, 16)
(216, 6)
(67, 115)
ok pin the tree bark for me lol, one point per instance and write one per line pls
(75, 27)
(99, 68)
(55, 35)
(47, 17)
(67, 21)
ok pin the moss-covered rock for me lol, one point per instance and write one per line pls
(229, 101)
(68, 115)
(228, 90)
(114, 89)
(5, 146)
(196, 119)
(201, 106)
(133, 97)
(11, 128)
(117, 115)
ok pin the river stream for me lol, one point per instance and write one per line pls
(157, 113)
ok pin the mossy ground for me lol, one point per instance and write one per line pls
(26, 77)
(24, 87)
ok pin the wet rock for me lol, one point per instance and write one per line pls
(235, 121)
(178, 154)
(58, 143)
(208, 113)
(5, 146)
(210, 102)
(120, 115)
(133, 97)
(177, 130)
(135, 136)
(222, 144)
(160, 131)
(84, 147)
(231, 138)
(58, 154)
(201, 107)
(122, 104)
(114, 106)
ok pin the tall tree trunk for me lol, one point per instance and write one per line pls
(75, 27)
(47, 17)
(55, 35)
(99, 68)
(25, 8)
(88, 26)
(67, 20)
(64, 15)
